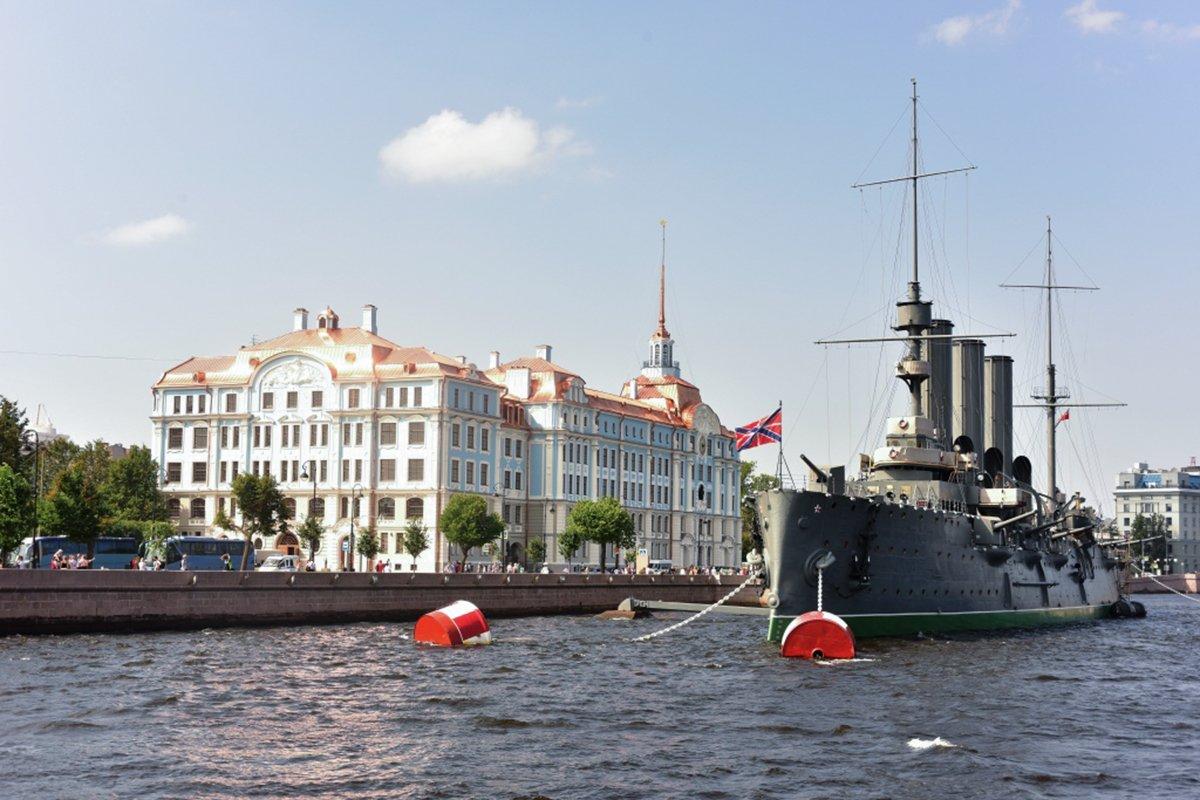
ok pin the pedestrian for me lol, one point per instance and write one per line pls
(226, 562)
(183, 563)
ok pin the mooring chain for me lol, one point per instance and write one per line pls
(699, 614)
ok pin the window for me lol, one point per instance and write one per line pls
(230, 403)
(268, 401)
(237, 436)
(387, 469)
(416, 434)
(174, 472)
(175, 406)
(199, 471)
(224, 472)
(414, 508)
(224, 436)
(352, 398)
(484, 439)
(358, 469)
(173, 507)
(344, 508)
(517, 481)
(316, 507)
(507, 479)
(197, 508)
(403, 396)
(454, 400)
(519, 443)
(516, 515)
(417, 396)
(284, 437)
(200, 403)
(345, 470)
(358, 431)
(175, 438)
(507, 446)
(483, 474)
(389, 397)
(386, 508)
(346, 433)
(188, 403)
(289, 508)
(293, 399)
(486, 399)
(470, 473)
(387, 433)
(416, 469)
(470, 437)
(324, 434)
(318, 399)
(455, 435)
(454, 470)
(324, 471)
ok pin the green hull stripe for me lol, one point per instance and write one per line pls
(866, 626)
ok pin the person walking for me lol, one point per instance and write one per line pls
(226, 562)
(183, 563)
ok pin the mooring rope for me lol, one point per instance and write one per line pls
(698, 614)
(1168, 588)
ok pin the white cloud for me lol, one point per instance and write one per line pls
(1089, 19)
(150, 231)
(448, 147)
(954, 31)
(1170, 31)
(567, 103)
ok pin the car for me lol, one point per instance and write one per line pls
(281, 564)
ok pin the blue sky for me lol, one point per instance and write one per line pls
(176, 177)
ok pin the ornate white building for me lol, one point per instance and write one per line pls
(338, 414)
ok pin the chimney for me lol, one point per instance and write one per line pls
(462, 360)
(300, 319)
(543, 351)
(494, 359)
(370, 318)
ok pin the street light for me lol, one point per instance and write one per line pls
(31, 442)
(309, 471)
(356, 492)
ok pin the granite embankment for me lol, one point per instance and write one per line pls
(51, 601)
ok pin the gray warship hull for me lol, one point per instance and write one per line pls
(901, 570)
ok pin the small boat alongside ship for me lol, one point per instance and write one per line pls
(943, 529)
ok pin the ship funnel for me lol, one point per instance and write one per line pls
(937, 391)
(998, 407)
(967, 390)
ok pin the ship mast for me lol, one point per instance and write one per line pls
(914, 286)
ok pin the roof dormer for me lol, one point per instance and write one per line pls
(327, 319)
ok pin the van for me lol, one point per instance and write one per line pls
(279, 563)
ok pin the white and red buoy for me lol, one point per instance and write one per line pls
(818, 634)
(460, 623)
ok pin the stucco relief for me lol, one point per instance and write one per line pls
(295, 373)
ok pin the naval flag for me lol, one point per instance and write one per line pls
(768, 430)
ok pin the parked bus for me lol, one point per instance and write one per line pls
(109, 552)
(204, 553)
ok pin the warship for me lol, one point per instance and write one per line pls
(932, 535)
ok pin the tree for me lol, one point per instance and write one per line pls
(131, 490)
(570, 541)
(263, 511)
(536, 551)
(416, 541)
(604, 522)
(368, 544)
(16, 510)
(751, 485)
(12, 427)
(56, 457)
(467, 523)
(1149, 540)
(75, 505)
(311, 531)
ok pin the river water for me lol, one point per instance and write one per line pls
(567, 707)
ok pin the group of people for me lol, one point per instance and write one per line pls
(60, 560)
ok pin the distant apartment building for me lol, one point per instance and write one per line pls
(354, 426)
(1173, 494)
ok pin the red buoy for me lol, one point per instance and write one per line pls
(818, 634)
(460, 623)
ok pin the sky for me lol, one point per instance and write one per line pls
(176, 177)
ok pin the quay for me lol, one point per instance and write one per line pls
(1186, 582)
(52, 601)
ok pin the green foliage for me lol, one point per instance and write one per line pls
(569, 541)
(310, 532)
(751, 485)
(1149, 545)
(604, 522)
(154, 536)
(131, 491)
(416, 541)
(467, 523)
(12, 426)
(76, 505)
(536, 551)
(16, 510)
(262, 507)
(367, 543)
(56, 457)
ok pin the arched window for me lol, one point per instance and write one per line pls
(197, 509)
(173, 507)
(289, 507)
(414, 508)
(316, 507)
(387, 508)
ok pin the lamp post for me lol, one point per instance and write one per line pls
(31, 442)
(356, 493)
(307, 472)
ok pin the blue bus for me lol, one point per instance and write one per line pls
(204, 553)
(108, 552)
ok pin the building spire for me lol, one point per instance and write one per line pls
(662, 287)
